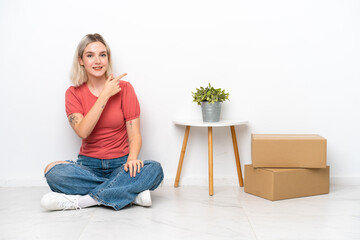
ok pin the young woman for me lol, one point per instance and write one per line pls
(104, 111)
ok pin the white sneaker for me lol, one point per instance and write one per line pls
(59, 201)
(143, 199)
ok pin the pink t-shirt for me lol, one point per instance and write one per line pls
(109, 138)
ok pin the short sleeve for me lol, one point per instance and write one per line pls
(130, 104)
(72, 102)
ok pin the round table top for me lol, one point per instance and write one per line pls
(200, 123)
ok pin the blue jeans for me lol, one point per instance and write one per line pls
(105, 180)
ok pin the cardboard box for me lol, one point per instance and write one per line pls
(288, 150)
(284, 183)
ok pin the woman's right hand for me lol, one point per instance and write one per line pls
(83, 126)
(112, 86)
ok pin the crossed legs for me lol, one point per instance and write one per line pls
(117, 190)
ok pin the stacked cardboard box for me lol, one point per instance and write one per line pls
(287, 166)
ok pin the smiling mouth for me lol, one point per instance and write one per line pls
(97, 68)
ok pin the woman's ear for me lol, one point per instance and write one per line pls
(80, 61)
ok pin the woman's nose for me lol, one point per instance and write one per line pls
(97, 59)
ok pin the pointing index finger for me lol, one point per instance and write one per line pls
(122, 75)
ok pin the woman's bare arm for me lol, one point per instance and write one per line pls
(134, 136)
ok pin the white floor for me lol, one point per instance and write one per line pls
(187, 212)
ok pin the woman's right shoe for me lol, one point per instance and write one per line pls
(143, 199)
(59, 201)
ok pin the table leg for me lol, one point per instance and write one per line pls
(237, 158)
(182, 154)
(210, 147)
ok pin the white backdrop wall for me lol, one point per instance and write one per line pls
(290, 67)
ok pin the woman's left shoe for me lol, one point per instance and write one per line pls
(59, 201)
(143, 199)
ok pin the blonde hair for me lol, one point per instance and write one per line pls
(78, 74)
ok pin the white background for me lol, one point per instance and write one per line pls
(289, 66)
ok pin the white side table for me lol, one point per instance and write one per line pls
(199, 123)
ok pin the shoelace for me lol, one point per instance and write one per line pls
(69, 204)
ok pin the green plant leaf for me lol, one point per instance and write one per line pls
(209, 94)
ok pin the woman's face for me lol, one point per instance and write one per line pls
(95, 59)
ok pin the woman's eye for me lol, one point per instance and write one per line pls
(89, 56)
(103, 55)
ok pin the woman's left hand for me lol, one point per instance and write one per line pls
(134, 166)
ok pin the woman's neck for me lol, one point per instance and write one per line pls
(96, 85)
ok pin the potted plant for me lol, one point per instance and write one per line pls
(210, 99)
